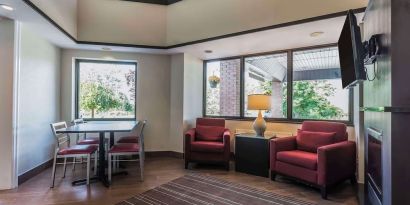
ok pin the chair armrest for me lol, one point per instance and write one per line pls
(279, 145)
(190, 135)
(227, 136)
(336, 162)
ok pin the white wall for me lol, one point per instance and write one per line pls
(64, 12)
(176, 130)
(39, 99)
(195, 19)
(129, 22)
(153, 91)
(7, 50)
(193, 90)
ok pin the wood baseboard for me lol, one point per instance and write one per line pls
(37, 170)
(173, 154)
(33, 172)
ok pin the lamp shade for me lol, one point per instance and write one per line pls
(259, 102)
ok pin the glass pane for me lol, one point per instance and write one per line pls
(223, 88)
(317, 86)
(267, 74)
(106, 90)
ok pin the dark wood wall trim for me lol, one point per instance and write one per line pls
(292, 23)
(35, 171)
(160, 2)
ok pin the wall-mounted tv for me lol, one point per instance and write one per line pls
(351, 53)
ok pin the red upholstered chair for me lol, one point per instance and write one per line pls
(319, 155)
(209, 142)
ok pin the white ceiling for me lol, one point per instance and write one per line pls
(270, 40)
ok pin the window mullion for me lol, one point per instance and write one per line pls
(290, 86)
(242, 88)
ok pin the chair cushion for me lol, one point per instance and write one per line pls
(88, 141)
(130, 147)
(78, 149)
(207, 146)
(209, 133)
(323, 126)
(310, 141)
(299, 158)
(128, 139)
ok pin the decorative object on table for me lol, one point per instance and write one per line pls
(320, 155)
(201, 189)
(252, 154)
(214, 80)
(259, 102)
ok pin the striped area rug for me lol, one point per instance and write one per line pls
(200, 189)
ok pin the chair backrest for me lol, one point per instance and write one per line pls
(323, 126)
(60, 138)
(210, 122)
(138, 131)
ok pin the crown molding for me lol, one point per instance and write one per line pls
(160, 2)
(291, 23)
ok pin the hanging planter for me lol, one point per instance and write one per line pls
(214, 81)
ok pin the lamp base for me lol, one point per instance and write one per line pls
(259, 125)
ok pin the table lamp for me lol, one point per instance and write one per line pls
(259, 102)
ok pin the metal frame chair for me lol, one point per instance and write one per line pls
(82, 151)
(114, 156)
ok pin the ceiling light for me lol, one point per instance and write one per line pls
(208, 51)
(106, 48)
(316, 34)
(7, 7)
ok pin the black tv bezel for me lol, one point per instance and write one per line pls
(357, 49)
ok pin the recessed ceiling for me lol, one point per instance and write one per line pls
(161, 2)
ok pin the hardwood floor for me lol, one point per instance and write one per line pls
(157, 171)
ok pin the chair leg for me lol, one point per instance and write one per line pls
(53, 172)
(272, 175)
(186, 164)
(114, 163)
(353, 180)
(227, 166)
(109, 168)
(65, 166)
(95, 163)
(88, 168)
(323, 192)
(74, 161)
(141, 166)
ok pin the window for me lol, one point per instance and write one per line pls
(314, 92)
(223, 88)
(317, 86)
(267, 74)
(105, 90)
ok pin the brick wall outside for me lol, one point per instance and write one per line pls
(230, 88)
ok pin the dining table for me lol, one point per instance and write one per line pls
(101, 128)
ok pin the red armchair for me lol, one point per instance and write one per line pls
(209, 142)
(319, 155)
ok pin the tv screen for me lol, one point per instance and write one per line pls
(351, 53)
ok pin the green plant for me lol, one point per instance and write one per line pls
(97, 98)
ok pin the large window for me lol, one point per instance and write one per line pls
(267, 74)
(314, 92)
(223, 88)
(105, 90)
(317, 87)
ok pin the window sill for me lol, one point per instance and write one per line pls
(278, 120)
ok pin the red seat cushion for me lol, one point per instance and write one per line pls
(206, 146)
(78, 149)
(299, 158)
(88, 141)
(310, 141)
(128, 139)
(125, 148)
(209, 133)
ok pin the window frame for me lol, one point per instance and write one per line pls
(77, 87)
(289, 118)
